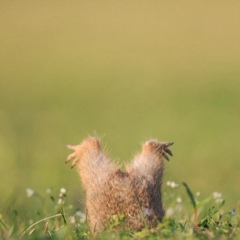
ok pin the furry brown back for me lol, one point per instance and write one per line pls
(135, 193)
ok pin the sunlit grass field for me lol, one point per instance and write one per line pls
(126, 72)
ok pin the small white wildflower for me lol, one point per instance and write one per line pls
(169, 212)
(29, 192)
(81, 215)
(179, 200)
(83, 219)
(174, 185)
(60, 201)
(197, 194)
(217, 195)
(72, 219)
(63, 190)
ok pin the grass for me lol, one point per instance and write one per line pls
(52, 216)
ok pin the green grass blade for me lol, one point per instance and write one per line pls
(63, 216)
(190, 194)
(42, 220)
(4, 225)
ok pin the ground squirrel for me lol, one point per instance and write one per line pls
(110, 191)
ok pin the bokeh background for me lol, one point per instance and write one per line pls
(125, 71)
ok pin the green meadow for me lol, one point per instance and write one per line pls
(125, 71)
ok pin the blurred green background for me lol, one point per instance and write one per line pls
(125, 71)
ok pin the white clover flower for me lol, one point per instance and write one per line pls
(60, 201)
(29, 192)
(78, 213)
(169, 212)
(179, 199)
(172, 184)
(63, 190)
(168, 183)
(83, 219)
(72, 219)
(81, 215)
(217, 195)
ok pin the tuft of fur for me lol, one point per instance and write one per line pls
(136, 192)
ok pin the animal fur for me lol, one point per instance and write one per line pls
(136, 192)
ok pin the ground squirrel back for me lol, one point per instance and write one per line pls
(136, 192)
